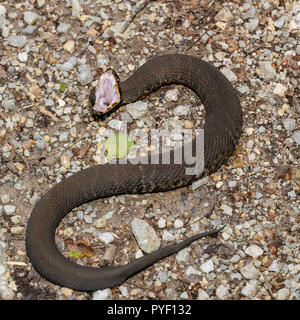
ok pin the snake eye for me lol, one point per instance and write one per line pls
(106, 95)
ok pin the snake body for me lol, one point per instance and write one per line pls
(222, 129)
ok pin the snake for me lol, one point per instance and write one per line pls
(222, 130)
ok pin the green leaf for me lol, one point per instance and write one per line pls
(118, 146)
(62, 87)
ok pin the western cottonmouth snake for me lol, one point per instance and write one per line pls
(222, 129)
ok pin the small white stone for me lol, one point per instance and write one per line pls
(283, 294)
(249, 271)
(230, 75)
(280, 89)
(102, 295)
(250, 289)
(254, 251)
(145, 235)
(202, 295)
(115, 124)
(181, 110)
(226, 209)
(5, 198)
(9, 209)
(224, 15)
(138, 109)
(161, 222)
(16, 230)
(191, 270)
(107, 237)
(23, 56)
(172, 95)
(178, 223)
(207, 266)
(30, 17)
(221, 291)
(296, 137)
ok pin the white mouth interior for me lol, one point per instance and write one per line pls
(106, 92)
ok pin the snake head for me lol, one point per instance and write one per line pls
(106, 95)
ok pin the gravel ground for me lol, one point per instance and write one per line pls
(51, 53)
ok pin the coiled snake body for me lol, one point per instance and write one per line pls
(222, 129)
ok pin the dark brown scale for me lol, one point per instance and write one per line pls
(222, 129)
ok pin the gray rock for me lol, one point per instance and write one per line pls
(230, 75)
(85, 75)
(207, 266)
(202, 295)
(30, 17)
(226, 209)
(145, 235)
(283, 294)
(107, 237)
(172, 95)
(289, 124)
(9, 209)
(163, 277)
(250, 289)
(29, 29)
(267, 70)
(254, 251)
(68, 65)
(125, 116)
(63, 27)
(296, 137)
(115, 124)
(138, 110)
(252, 24)
(249, 271)
(182, 110)
(9, 104)
(221, 291)
(102, 295)
(224, 15)
(17, 41)
(5, 198)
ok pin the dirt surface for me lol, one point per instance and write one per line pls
(47, 132)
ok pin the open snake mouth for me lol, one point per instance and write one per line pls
(106, 94)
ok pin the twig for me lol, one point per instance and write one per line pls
(136, 9)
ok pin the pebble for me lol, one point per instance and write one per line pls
(2, 10)
(145, 235)
(250, 289)
(161, 223)
(249, 271)
(192, 271)
(221, 291)
(181, 110)
(202, 295)
(178, 223)
(267, 69)
(69, 46)
(224, 15)
(17, 41)
(85, 75)
(172, 95)
(280, 90)
(9, 209)
(207, 266)
(23, 56)
(116, 124)
(68, 65)
(102, 295)
(138, 110)
(283, 294)
(226, 209)
(106, 237)
(63, 27)
(296, 137)
(289, 124)
(254, 251)
(30, 17)
(5, 198)
(9, 104)
(16, 229)
(230, 75)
